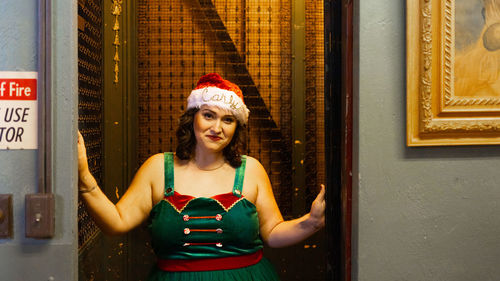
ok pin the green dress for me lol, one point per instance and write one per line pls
(201, 238)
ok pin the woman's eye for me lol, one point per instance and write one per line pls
(228, 120)
(207, 115)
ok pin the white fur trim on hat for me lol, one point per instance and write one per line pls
(220, 98)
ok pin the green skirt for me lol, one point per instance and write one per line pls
(262, 271)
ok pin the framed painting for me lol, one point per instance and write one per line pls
(453, 72)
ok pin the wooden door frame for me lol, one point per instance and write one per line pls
(338, 135)
(338, 125)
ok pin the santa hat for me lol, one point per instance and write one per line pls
(212, 89)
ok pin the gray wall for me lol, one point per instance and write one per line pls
(420, 213)
(23, 258)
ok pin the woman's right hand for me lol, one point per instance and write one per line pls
(83, 164)
(85, 179)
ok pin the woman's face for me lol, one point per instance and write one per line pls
(214, 128)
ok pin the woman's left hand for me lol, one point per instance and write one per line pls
(318, 207)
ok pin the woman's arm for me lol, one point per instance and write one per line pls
(274, 230)
(132, 209)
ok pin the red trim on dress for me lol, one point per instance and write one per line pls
(227, 199)
(210, 264)
(180, 200)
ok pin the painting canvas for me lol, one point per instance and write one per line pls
(453, 72)
(477, 45)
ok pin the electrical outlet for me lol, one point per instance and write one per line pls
(5, 215)
(40, 218)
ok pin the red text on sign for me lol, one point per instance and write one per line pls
(17, 89)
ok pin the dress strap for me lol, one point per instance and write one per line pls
(240, 175)
(169, 173)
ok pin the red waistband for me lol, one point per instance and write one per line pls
(211, 263)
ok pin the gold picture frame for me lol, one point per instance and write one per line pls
(453, 74)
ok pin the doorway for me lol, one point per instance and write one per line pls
(129, 108)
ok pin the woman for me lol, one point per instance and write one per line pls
(210, 224)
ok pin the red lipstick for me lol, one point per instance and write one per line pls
(214, 138)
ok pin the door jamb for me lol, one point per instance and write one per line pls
(338, 135)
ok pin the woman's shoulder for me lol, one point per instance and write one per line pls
(251, 160)
(256, 174)
(254, 166)
(156, 157)
(160, 156)
(156, 160)
(153, 161)
(152, 167)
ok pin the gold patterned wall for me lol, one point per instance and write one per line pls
(315, 101)
(247, 42)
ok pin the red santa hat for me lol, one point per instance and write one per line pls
(212, 89)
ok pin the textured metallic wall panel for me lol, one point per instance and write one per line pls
(314, 161)
(90, 101)
(247, 42)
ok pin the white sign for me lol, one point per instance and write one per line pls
(18, 110)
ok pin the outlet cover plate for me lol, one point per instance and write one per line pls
(40, 220)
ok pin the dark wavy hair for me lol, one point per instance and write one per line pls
(187, 140)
